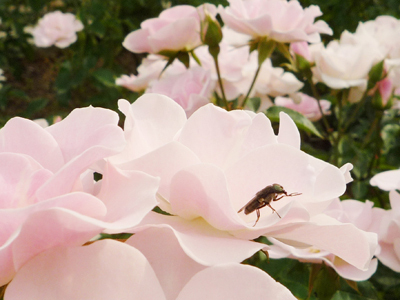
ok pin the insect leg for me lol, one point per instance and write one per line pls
(258, 216)
(273, 210)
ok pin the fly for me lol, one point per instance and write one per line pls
(273, 192)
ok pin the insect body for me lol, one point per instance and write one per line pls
(264, 197)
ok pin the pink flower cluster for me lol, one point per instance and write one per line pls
(178, 30)
(64, 184)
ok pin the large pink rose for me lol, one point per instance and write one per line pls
(176, 29)
(348, 211)
(109, 269)
(48, 195)
(278, 20)
(214, 162)
(56, 28)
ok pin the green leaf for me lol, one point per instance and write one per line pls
(265, 48)
(184, 58)
(326, 283)
(253, 103)
(375, 74)
(105, 76)
(359, 189)
(340, 295)
(301, 121)
(98, 28)
(36, 106)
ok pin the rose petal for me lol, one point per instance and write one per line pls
(26, 137)
(234, 281)
(103, 270)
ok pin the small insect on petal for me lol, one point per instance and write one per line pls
(264, 197)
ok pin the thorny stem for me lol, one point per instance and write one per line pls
(251, 87)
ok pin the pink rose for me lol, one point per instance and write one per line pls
(342, 66)
(190, 89)
(278, 20)
(212, 163)
(176, 29)
(109, 269)
(48, 195)
(56, 28)
(306, 105)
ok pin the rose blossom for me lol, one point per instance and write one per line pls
(56, 28)
(344, 66)
(176, 29)
(190, 89)
(278, 20)
(348, 211)
(48, 196)
(73, 273)
(214, 162)
(306, 105)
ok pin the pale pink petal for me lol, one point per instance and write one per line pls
(200, 241)
(137, 41)
(213, 134)
(234, 281)
(345, 169)
(389, 256)
(350, 272)
(389, 180)
(103, 270)
(180, 35)
(288, 132)
(328, 234)
(26, 137)
(56, 227)
(201, 191)
(172, 266)
(136, 194)
(20, 177)
(148, 126)
(163, 162)
(85, 128)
